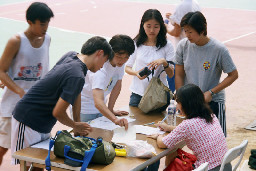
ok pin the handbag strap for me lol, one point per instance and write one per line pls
(48, 159)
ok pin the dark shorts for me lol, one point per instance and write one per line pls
(135, 100)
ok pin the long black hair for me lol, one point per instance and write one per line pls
(193, 103)
(161, 37)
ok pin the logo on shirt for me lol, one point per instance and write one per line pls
(30, 73)
(109, 84)
(207, 65)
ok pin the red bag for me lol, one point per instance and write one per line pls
(183, 162)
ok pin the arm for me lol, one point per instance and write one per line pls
(159, 142)
(98, 96)
(232, 76)
(112, 99)
(156, 63)
(59, 112)
(8, 55)
(130, 71)
(179, 76)
(76, 108)
(175, 31)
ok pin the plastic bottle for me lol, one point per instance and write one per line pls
(171, 118)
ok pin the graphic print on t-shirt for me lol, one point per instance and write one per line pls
(207, 65)
(30, 73)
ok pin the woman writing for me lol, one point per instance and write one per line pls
(201, 129)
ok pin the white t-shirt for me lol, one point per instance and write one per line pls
(144, 55)
(184, 7)
(104, 79)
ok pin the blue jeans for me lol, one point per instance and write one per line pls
(89, 117)
(135, 100)
(171, 82)
(227, 167)
(153, 167)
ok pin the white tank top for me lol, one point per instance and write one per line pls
(28, 66)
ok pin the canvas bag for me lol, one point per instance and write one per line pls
(80, 151)
(155, 95)
(183, 162)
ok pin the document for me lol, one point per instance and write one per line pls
(105, 123)
(147, 130)
(43, 144)
(123, 136)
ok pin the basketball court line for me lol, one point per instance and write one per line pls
(236, 38)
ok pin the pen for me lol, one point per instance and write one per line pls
(152, 123)
(164, 119)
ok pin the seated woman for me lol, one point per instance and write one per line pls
(200, 130)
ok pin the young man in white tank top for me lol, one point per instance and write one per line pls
(24, 61)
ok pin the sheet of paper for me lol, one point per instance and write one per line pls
(140, 129)
(123, 136)
(105, 123)
(43, 144)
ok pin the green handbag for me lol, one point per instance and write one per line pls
(80, 151)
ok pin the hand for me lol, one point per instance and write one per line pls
(2, 85)
(156, 63)
(121, 122)
(163, 126)
(207, 96)
(21, 92)
(138, 75)
(153, 136)
(120, 113)
(82, 128)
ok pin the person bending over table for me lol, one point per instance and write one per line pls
(108, 80)
(46, 102)
(201, 129)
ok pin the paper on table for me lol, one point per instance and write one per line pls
(123, 136)
(43, 144)
(140, 129)
(105, 123)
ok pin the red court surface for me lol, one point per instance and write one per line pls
(236, 28)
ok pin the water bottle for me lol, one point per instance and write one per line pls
(171, 112)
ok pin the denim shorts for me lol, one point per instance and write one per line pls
(135, 100)
(89, 117)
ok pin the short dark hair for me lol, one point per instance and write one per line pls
(193, 103)
(196, 20)
(122, 44)
(142, 36)
(97, 43)
(39, 11)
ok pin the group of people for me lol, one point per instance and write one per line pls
(34, 99)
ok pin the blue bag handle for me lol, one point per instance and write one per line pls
(48, 160)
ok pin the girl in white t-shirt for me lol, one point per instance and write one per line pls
(152, 51)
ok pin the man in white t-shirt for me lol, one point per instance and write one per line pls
(108, 80)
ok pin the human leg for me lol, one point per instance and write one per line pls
(23, 136)
(220, 111)
(5, 136)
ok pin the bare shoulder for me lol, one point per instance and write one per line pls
(15, 40)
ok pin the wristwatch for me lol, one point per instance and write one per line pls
(212, 93)
(166, 66)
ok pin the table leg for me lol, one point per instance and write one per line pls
(23, 166)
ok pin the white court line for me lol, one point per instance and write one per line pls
(239, 37)
(61, 29)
